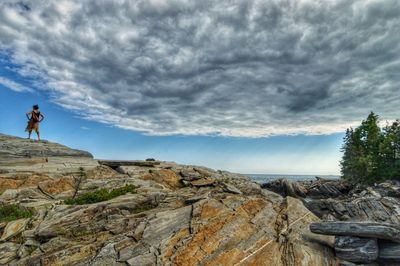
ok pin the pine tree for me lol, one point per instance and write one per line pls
(389, 150)
(350, 153)
(361, 152)
(371, 137)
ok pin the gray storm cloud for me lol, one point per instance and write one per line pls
(236, 68)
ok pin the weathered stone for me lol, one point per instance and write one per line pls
(358, 229)
(196, 198)
(360, 209)
(22, 252)
(203, 182)
(389, 250)
(21, 157)
(356, 249)
(132, 251)
(55, 244)
(319, 188)
(57, 186)
(231, 189)
(31, 243)
(78, 254)
(12, 147)
(165, 224)
(14, 228)
(21, 181)
(8, 252)
(146, 259)
(165, 177)
(190, 175)
(106, 256)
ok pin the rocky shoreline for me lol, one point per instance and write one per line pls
(175, 215)
(365, 220)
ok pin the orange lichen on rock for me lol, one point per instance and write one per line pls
(221, 233)
(164, 176)
(58, 185)
(22, 181)
(172, 244)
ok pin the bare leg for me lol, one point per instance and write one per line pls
(38, 135)
(29, 136)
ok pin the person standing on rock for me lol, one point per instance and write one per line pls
(34, 117)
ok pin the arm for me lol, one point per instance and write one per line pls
(42, 115)
(27, 115)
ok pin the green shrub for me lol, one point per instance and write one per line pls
(100, 195)
(10, 212)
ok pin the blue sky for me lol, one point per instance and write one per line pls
(279, 154)
(249, 86)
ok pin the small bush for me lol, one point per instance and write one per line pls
(11, 212)
(101, 195)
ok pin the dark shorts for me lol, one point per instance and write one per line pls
(32, 125)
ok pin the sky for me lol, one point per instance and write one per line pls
(247, 86)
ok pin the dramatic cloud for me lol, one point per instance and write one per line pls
(239, 68)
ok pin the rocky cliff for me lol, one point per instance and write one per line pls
(175, 215)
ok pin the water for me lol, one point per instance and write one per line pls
(263, 178)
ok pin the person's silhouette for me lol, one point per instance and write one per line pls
(34, 117)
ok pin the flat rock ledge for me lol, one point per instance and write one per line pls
(363, 242)
(114, 164)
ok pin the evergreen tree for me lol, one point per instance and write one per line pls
(351, 151)
(369, 153)
(389, 150)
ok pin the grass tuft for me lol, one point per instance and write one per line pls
(101, 195)
(11, 212)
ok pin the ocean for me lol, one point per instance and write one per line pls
(263, 178)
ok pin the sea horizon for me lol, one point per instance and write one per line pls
(262, 178)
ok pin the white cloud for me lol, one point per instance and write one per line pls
(239, 68)
(13, 85)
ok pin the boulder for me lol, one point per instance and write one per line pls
(358, 208)
(319, 188)
(13, 228)
(189, 174)
(231, 189)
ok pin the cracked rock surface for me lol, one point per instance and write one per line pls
(179, 215)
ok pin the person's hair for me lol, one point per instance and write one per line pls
(36, 107)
